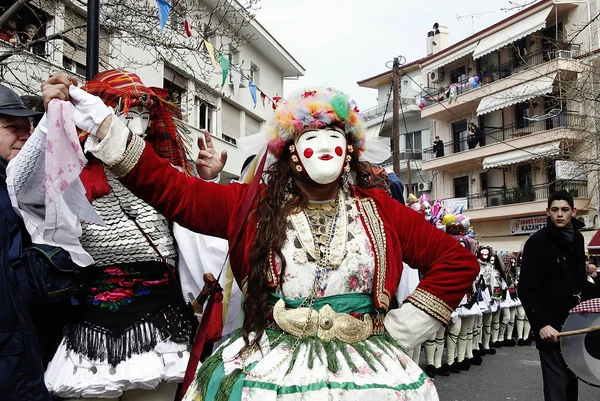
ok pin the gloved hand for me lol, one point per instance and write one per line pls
(90, 110)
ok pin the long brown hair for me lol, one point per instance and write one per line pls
(271, 215)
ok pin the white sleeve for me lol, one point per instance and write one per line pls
(410, 326)
(114, 144)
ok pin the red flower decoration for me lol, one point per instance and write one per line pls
(115, 271)
(354, 283)
(114, 295)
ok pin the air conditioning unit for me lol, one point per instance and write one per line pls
(424, 186)
(435, 76)
(590, 220)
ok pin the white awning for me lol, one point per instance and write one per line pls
(517, 94)
(521, 155)
(450, 57)
(512, 33)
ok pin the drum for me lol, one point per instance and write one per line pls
(582, 351)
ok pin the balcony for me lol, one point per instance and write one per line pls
(493, 80)
(502, 203)
(409, 105)
(510, 137)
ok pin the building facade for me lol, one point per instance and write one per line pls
(228, 112)
(503, 101)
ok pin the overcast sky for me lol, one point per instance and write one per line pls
(339, 42)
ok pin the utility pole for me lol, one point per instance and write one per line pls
(396, 124)
(93, 39)
(396, 117)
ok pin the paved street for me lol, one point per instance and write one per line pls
(512, 374)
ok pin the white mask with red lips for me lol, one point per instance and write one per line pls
(322, 154)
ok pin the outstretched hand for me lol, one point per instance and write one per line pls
(209, 163)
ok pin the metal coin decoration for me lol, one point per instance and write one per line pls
(582, 351)
(112, 370)
(94, 370)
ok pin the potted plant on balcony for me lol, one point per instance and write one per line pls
(487, 73)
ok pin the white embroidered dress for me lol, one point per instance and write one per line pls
(307, 375)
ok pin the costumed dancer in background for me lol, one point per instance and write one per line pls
(318, 330)
(488, 305)
(509, 304)
(499, 291)
(131, 331)
(522, 322)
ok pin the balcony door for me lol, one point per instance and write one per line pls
(459, 136)
(461, 187)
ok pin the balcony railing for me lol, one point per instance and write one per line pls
(381, 108)
(506, 196)
(522, 128)
(512, 66)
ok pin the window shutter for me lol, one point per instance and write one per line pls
(252, 125)
(230, 120)
(79, 35)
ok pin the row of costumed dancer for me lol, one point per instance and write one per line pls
(488, 314)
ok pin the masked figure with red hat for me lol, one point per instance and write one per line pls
(131, 329)
(317, 252)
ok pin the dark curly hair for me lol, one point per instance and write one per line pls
(271, 216)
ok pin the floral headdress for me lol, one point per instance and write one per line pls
(317, 109)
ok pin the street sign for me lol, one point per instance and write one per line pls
(527, 225)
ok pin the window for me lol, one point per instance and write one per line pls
(203, 113)
(524, 176)
(30, 23)
(458, 75)
(255, 74)
(459, 131)
(176, 84)
(461, 187)
(73, 66)
(522, 112)
(413, 146)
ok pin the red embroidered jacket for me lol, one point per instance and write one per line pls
(396, 232)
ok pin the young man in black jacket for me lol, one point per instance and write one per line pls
(553, 280)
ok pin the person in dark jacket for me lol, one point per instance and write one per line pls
(553, 280)
(438, 147)
(22, 372)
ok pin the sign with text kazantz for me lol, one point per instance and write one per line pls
(527, 225)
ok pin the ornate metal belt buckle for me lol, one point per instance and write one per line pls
(327, 324)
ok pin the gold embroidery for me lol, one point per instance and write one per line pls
(430, 304)
(374, 224)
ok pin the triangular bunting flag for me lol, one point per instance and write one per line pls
(236, 80)
(211, 52)
(187, 27)
(263, 97)
(224, 67)
(164, 9)
(252, 87)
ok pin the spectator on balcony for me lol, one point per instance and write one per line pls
(9, 32)
(30, 39)
(438, 147)
(474, 136)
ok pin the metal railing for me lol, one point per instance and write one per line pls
(493, 135)
(511, 196)
(380, 109)
(491, 73)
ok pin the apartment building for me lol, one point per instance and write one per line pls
(228, 113)
(514, 81)
(414, 130)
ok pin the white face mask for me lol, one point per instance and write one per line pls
(136, 120)
(322, 153)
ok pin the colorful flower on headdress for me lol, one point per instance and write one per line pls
(315, 108)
